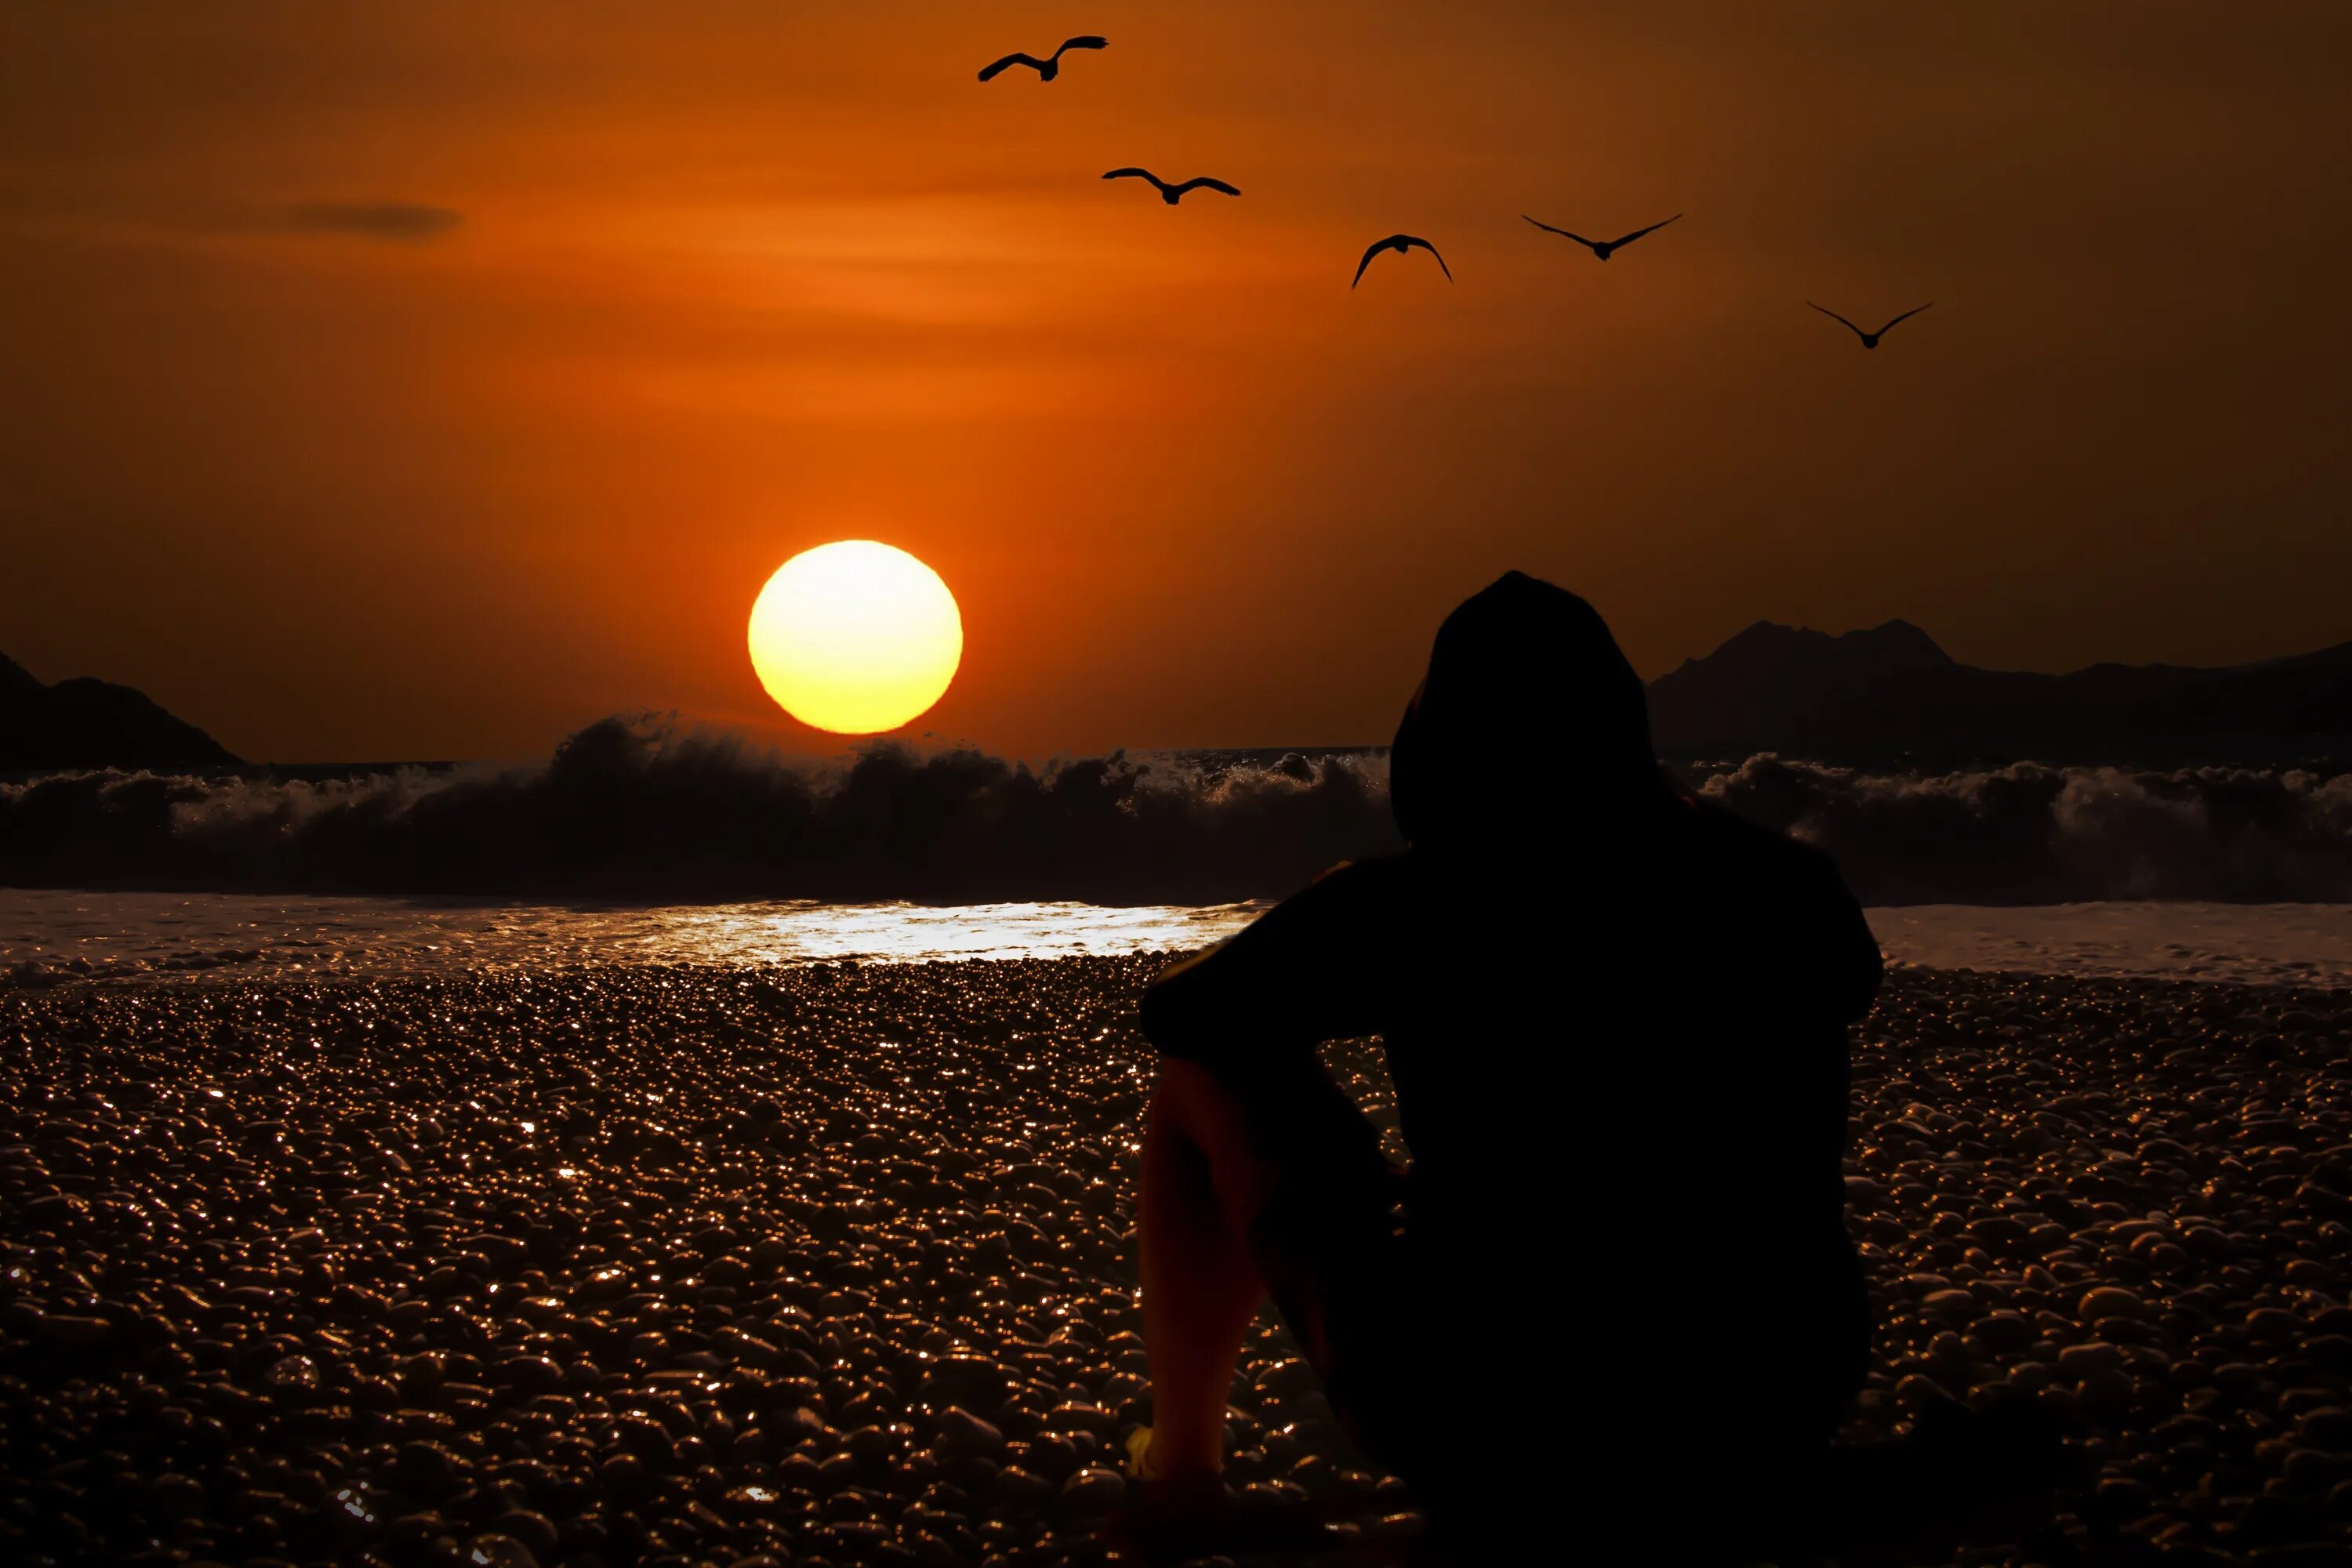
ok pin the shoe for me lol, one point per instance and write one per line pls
(1138, 1455)
(1167, 1519)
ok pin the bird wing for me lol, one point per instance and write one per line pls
(1132, 173)
(1369, 251)
(1904, 317)
(1561, 232)
(1084, 41)
(1639, 232)
(1199, 180)
(1416, 240)
(1834, 316)
(995, 67)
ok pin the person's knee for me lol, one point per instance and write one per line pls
(1183, 1077)
(1189, 1098)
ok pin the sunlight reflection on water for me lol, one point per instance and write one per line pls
(128, 934)
(60, 934)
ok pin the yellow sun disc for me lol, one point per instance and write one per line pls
(856, 636)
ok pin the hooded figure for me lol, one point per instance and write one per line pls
(1615, 1021)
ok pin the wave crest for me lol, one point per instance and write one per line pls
(2028, 833)
(639, 808)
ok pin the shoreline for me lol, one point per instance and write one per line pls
(202, 979)
(45, 936)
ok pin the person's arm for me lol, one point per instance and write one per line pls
(1311, 969)
(1816, 962)
(1858, 967)
(1824, 937)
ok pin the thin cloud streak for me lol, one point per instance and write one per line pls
(401, 222)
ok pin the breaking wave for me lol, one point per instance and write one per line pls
(2030, 833)
(634, 809)
(638, 808)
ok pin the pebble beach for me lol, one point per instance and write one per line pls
(834, 1265)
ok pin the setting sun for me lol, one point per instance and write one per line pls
(856, 636)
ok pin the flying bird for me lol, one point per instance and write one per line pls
(1399, 243)
(1169, 194)
(1051, 66)
(1869, 339)
(1603, 247)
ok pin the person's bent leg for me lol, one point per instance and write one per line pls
(1276, 1185)
(1199, 1287)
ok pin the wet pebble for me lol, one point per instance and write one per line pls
(2061, 1200)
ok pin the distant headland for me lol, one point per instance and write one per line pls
(86, 724)
(1891, 688)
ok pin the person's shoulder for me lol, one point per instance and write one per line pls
(1365, 903)
(1376, 879)
(1337, 906)
(1788, 907)
(1759, 855)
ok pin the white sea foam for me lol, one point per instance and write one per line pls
(2249, 944)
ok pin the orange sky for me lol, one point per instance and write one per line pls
(730, 281)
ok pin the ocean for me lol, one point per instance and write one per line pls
(641, 841)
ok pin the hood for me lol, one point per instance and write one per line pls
(1529, 718)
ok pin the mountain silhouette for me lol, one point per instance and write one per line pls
(1776, 688)
(85, 723)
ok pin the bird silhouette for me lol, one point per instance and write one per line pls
(1051, 66)
(1169, 194)
(1869, 339)
(1603, 247)
(1399, 243)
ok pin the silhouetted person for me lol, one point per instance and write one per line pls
(1603, 248)
(1169, 194)
(1399, 243)
(1051, 66)
(1616, 1019)
(1870, 339)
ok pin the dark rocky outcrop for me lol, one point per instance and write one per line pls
(86, 724)
(1775, 688)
